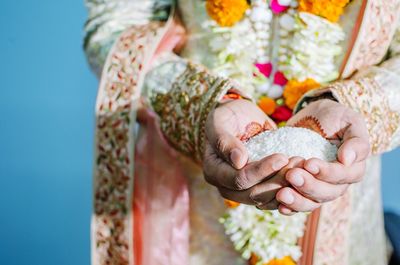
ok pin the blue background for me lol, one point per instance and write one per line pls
(46, 135)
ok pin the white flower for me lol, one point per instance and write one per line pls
(231, 45)
(267, 234)
(313, 49)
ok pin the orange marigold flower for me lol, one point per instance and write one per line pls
(268, 105)
(231, 204)
(294, 90)
(226, 12)
(285, 261)
(329, 9)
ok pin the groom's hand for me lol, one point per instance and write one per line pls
(225, 161)
(320, 181)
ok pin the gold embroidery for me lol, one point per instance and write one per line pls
(113, 172)
(366, 97)
(184, 109)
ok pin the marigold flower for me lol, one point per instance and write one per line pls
(294, 90)
(231, 204)
(226, 12)
(268, 105)
(329, 9)
(285, 261)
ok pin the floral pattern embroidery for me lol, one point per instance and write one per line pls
(332, 232)
(378, 26)
(113, 171)
(365, 96)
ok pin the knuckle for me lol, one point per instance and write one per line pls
(296, 160)
(275, 158)
(257, 168)
(307, 190)
(220, 144)
(241, 182)
(270, 207)
(321, 199)
(274, 205)
(342, 180)
(255, 194)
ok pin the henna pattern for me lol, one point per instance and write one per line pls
(312, 123)
(254, 128)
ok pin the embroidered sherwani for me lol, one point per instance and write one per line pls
(151, 202)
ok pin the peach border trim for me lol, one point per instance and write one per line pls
(354, 38)
(308, 241)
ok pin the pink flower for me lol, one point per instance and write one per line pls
(280, 79)
(264, 68)
(277, 8)
(282, 113)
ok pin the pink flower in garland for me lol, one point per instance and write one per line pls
(281, 114)
(277, 8)
(264, 68)
(280, 79)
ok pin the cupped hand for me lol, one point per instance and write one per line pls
(320, 181)
(225, 162)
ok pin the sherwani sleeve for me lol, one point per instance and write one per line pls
(183, 94)
(107, 19)
(180, 92)
(374, 92)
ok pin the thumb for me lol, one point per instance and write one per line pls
(355, 146)
(231, 149)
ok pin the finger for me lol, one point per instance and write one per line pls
(266, 191)
(353, 150)
(269, 206)
(335, 172)
(285, 210)
(295, 201)
(261, 194)
(312, 188)
(236, 196)
(355, 147)
(219, 173)
(231, 149)
(216, 171)
(258, 171)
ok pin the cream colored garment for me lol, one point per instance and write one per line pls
(367, 236)
(208, 244)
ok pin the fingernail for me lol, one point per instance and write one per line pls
(349, 157)
(287, 197)
(296, 180)
(313, 169)
(285, 210)
(235, 157)
(278, 165)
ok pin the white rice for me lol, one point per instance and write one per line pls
(291, 141)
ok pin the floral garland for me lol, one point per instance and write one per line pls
(264, 236)
(306, 43)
